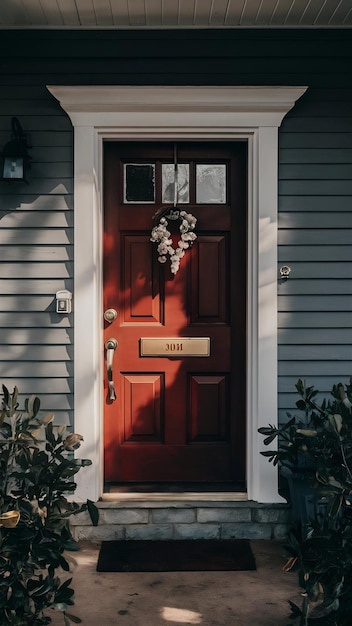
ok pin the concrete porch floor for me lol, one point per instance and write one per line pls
(254, 598)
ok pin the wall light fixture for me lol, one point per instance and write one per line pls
(15, 160)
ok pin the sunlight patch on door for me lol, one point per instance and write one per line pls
(180, 616)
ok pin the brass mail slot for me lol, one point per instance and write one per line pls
(175, 346)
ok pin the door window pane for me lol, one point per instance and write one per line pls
(168, 183)
(139, 182)
(210, 184)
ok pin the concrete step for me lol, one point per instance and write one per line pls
(165, 516)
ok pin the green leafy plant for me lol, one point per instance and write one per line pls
(37, 472)
(316, 446)
(317, 443)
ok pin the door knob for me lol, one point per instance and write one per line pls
(110, 346)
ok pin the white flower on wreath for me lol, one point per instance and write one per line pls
(161, 235)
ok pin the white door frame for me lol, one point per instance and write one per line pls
(176, 113)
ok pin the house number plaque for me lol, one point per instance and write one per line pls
(175, 346)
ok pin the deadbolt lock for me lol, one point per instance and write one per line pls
(110, 315)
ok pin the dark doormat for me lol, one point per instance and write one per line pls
(175, 556)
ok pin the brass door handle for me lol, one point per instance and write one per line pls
(110, 346)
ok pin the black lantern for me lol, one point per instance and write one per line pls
(15, 158)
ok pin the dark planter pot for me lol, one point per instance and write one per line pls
(306, 503)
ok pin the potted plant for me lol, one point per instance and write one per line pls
(315, 448)
(37, 471)
(298, 455)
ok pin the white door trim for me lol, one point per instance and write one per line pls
(161, 113)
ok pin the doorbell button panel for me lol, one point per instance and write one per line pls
(63, 301)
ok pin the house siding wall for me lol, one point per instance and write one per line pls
(36, 235)
(315, 187)
(315, 236)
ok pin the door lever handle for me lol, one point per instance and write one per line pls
(110, 346)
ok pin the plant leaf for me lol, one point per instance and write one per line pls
(32, 405)
(73, 618)
(93, 512)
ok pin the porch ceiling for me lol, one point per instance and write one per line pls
(175, 13)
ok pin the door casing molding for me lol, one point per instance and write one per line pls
(157, 113)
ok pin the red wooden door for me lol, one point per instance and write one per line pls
(176, 417)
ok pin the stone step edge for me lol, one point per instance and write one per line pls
(189, 503)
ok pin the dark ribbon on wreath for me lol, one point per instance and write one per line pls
(173, 241)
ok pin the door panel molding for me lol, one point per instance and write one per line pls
(209, 397)
(146, 308)
(144, 395)
(188, 113)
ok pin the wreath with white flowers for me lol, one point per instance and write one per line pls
(162, 236)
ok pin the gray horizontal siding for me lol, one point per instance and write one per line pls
(322, 382)
(43, 185)
(42, 369)
(316, 171)
(43, 286)
(312, 336)
(315, 239)
(245, 44)
(194, 65)
(336, 122)
(304, 220)
(28, 303)
(41, 385)
(25, 201)
(322, 140)
(314, 352)
(320, 319)
(44, 139)
(38, 252)
(36, 237)
(40, 352)
(247, 57)
(310, 370)
(20, 236)
(315, 187)
(34, 320)
(318, 286)
(37, 336)
(57, 403)
(35, 220)
(315, 202)
(316, 156)
(316, 303)
(311, 252)
(316, 236)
